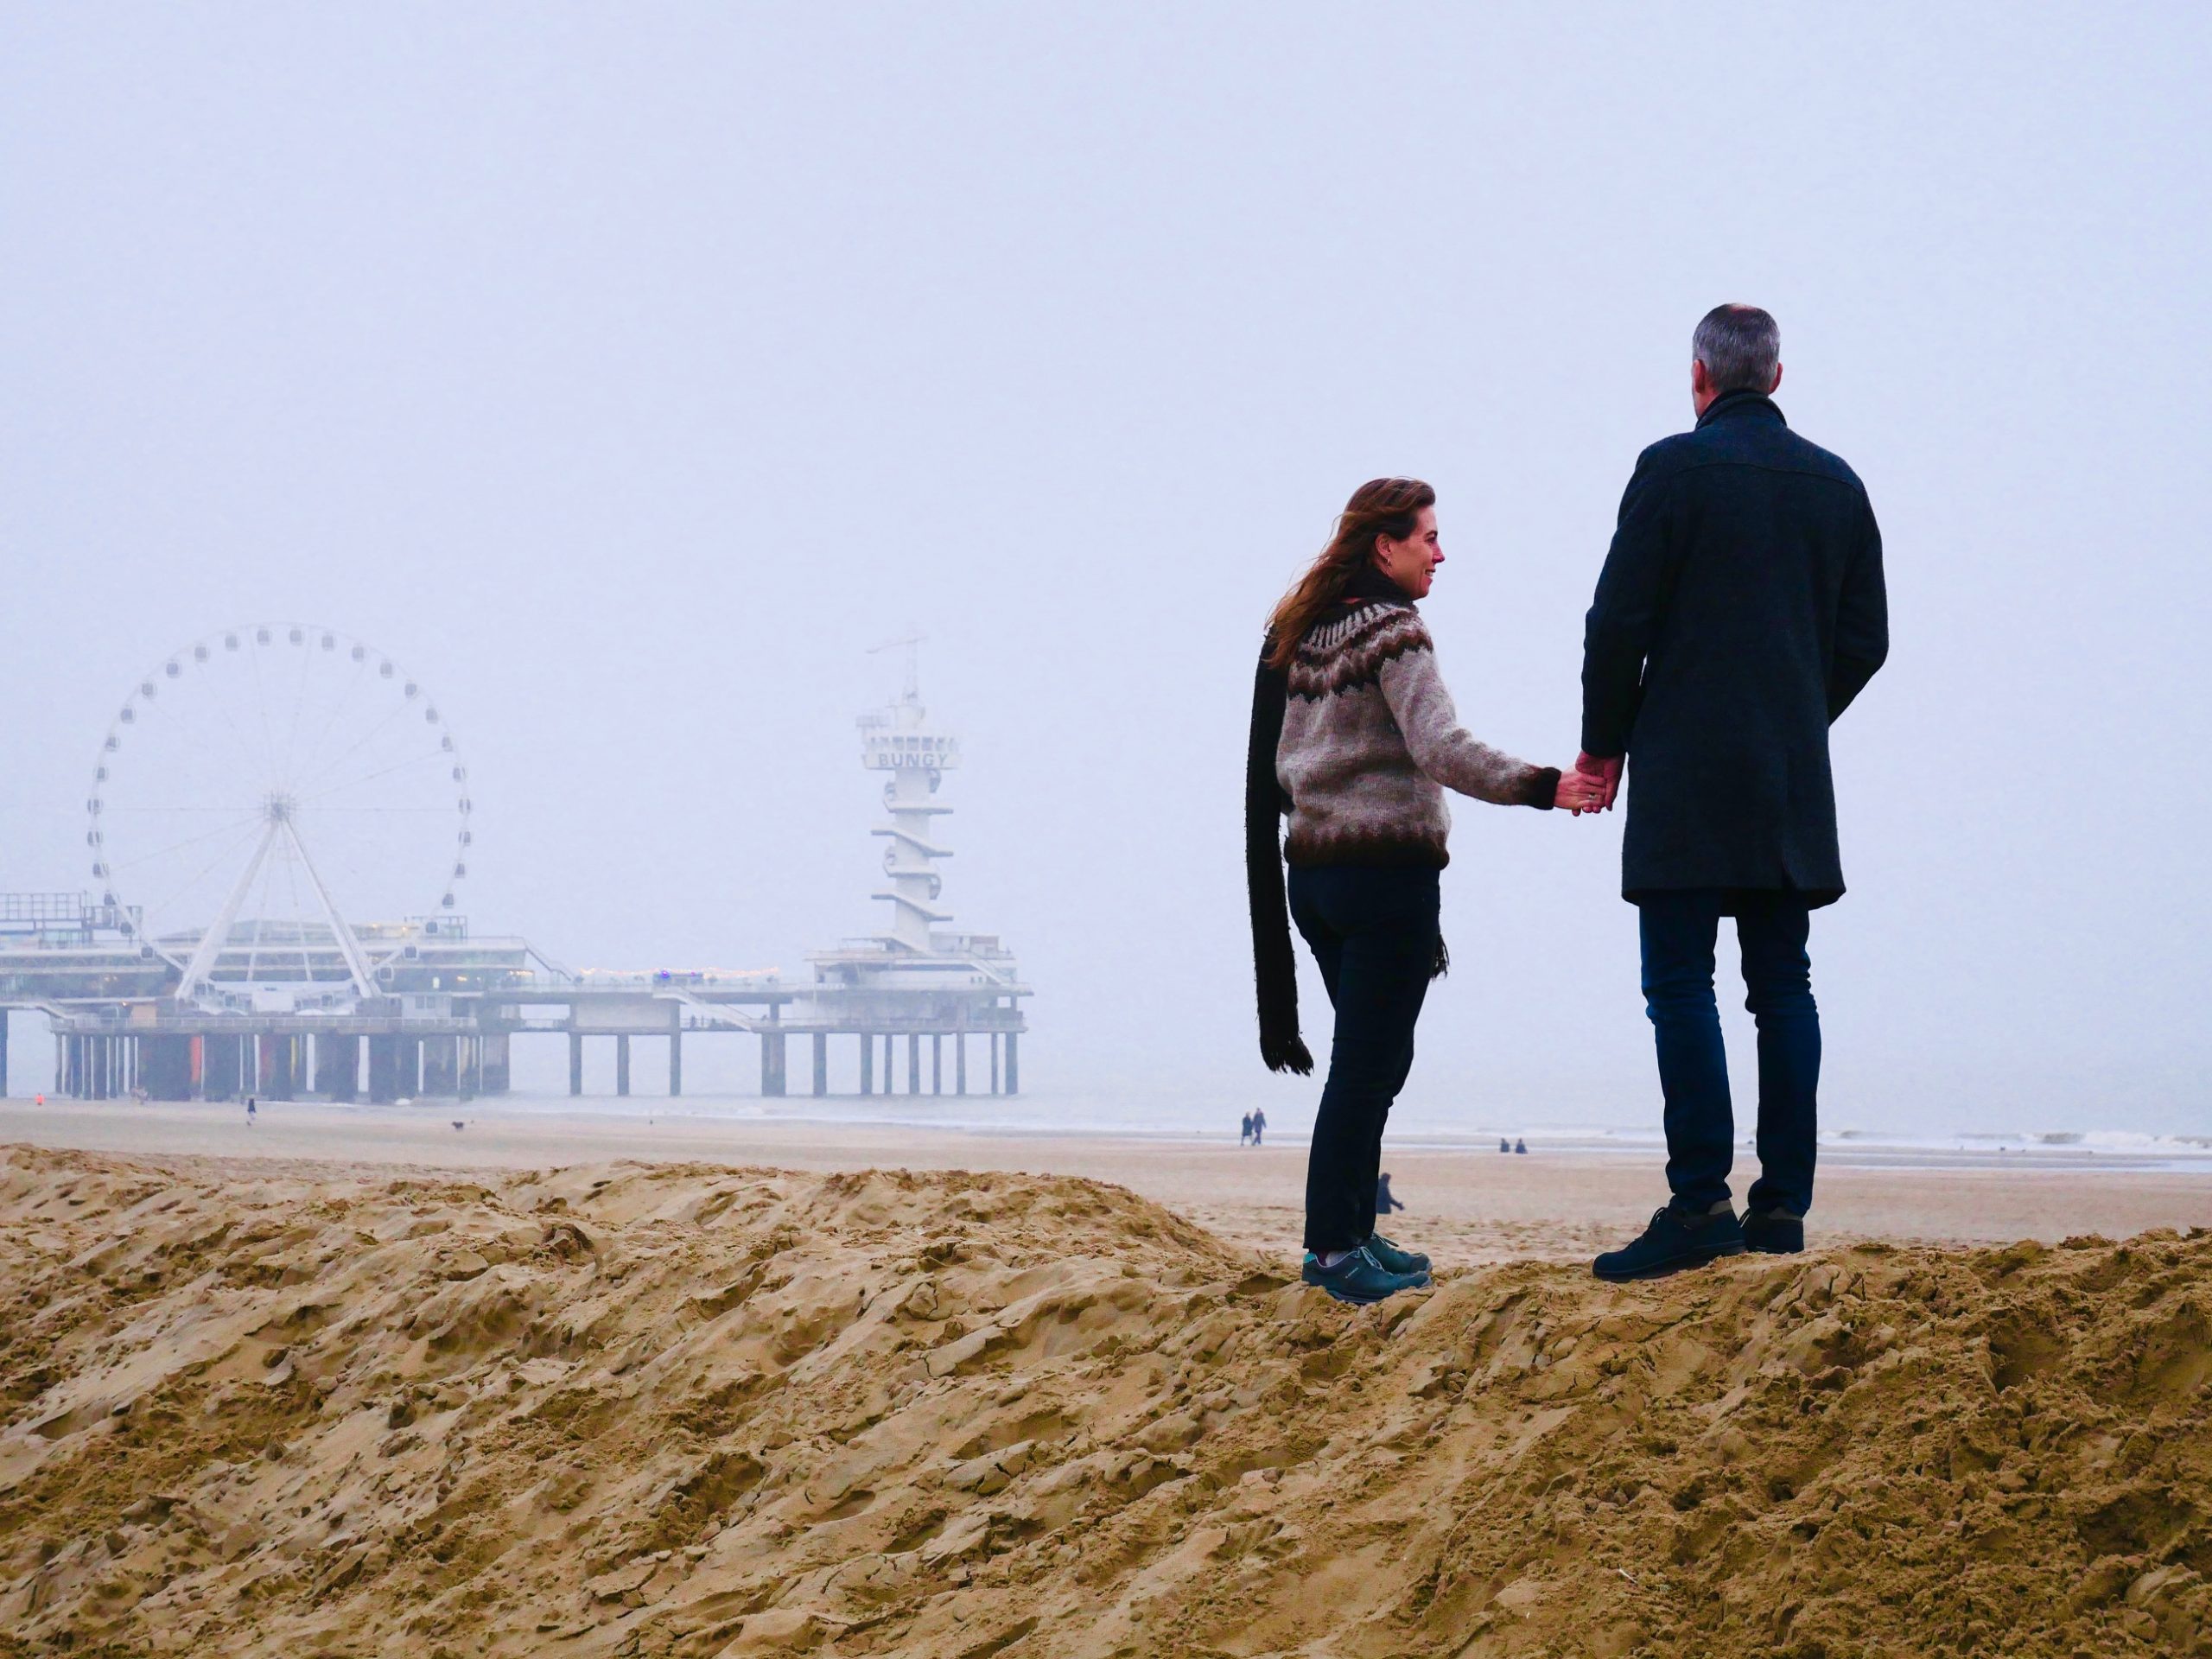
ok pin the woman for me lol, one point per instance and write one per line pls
(1355, 737)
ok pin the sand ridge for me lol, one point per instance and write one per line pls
(679, 1409)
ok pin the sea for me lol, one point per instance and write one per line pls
(1205, 1118)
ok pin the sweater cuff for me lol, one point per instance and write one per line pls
(1541, 788)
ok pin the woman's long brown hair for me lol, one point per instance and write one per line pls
(1381, 506)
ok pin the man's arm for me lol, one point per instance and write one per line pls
(1624, 616)
(1862, 623)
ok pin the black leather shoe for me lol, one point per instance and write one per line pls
(1675, 1239)
(1392, 1257)
(1773, 1232)
(1359, 1277)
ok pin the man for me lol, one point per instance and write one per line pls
(1741, 610)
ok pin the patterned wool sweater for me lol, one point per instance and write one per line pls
(1370, 742)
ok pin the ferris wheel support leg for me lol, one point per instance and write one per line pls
(202, 960)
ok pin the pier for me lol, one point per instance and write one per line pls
(316, 1007)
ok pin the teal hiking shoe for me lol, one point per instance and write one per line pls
(1393, 1258)
(1359, 1277)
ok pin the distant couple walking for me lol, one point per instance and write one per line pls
(1741, 610)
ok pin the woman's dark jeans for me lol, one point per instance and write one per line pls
(1374, 933)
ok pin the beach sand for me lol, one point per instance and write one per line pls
(1464, 1206)
(314, 1402)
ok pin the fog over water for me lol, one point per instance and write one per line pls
(627, 372)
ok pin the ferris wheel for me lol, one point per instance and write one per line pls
(261, 786)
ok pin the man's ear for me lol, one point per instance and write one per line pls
(1700, 381)
(1776, 386)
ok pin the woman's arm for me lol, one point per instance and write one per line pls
(1445, 750)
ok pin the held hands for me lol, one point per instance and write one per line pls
(1579, 792)
(1592, 786)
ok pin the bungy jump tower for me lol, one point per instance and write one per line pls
(920, 979)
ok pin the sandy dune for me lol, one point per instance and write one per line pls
(672, 1410)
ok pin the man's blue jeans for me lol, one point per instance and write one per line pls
(1679, 930)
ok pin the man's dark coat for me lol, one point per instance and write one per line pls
(1740, 612)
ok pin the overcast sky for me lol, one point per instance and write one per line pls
(628, 371)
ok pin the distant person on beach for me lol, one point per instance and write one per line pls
(1741, 610)
(1384, 1202)
(1520, 1147)
(1244, 1130)
(1259, 1125)
(1355, 737)
(249, 1111)
(1504, 1145)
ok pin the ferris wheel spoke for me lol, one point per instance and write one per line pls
(239, 822)
(219, 764)
(261, 912)
(260, 711)
(360, 743)
(192, 880)
(299, 914)
(298, 702)
(370, 777)
(339, 705)
(238, 730)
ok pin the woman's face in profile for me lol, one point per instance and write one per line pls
(1412, 563)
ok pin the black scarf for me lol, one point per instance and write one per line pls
(1274, 966)
(1274, 963)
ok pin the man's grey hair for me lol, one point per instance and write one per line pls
(1740, 346)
